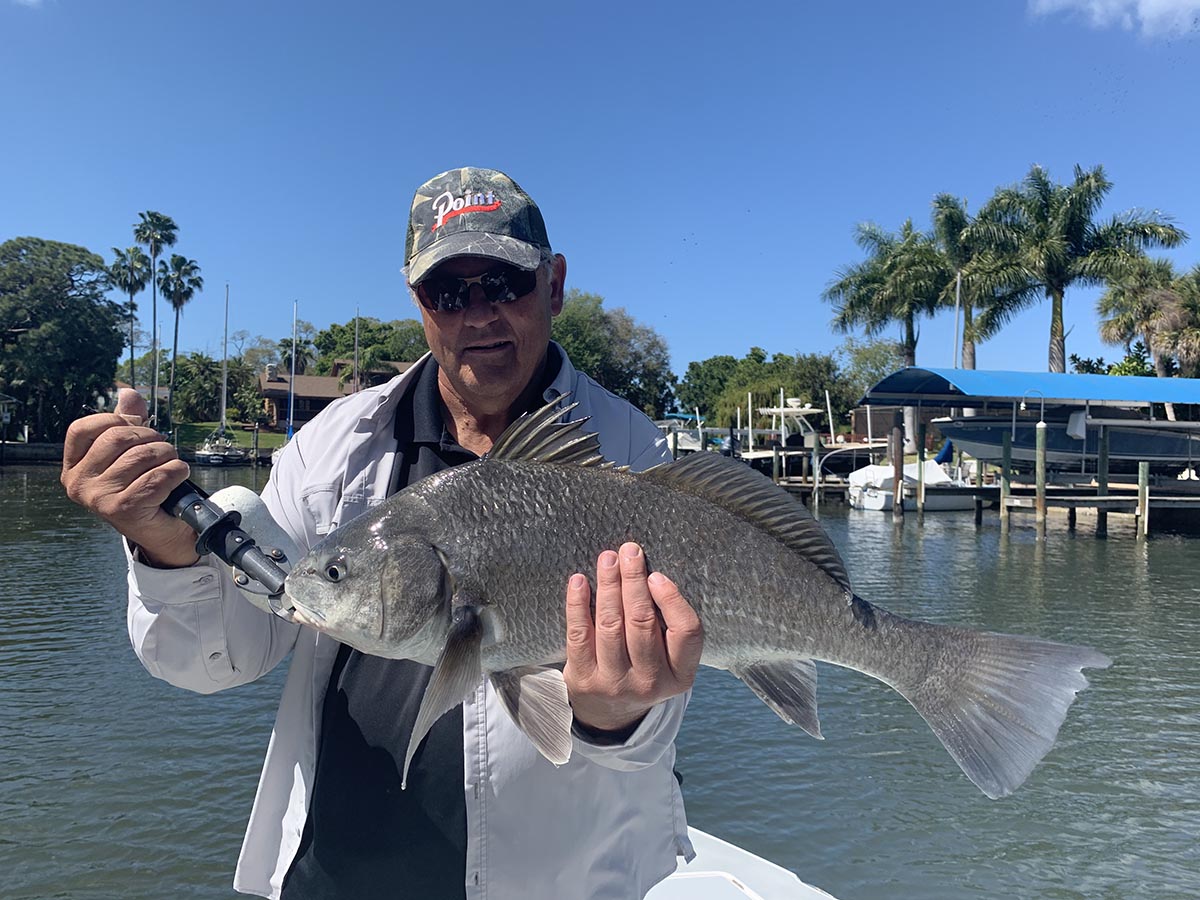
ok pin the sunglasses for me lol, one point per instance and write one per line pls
(501, 284)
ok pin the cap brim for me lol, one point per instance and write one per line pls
(468, 243)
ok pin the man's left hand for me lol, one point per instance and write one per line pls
(623, 662)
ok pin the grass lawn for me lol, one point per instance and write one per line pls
(193, 435)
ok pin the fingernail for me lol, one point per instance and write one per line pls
(631, 551)
(608, 559)
(577, 582)
(657, 578)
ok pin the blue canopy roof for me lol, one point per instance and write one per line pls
(975, 387)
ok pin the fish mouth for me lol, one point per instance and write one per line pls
(306, 615)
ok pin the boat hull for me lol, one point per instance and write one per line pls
(1167, 451)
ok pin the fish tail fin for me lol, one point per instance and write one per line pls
(997, 701)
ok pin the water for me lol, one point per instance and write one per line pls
(113, 784)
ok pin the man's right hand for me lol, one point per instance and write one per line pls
(122, 473)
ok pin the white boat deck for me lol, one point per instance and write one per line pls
(721, 871)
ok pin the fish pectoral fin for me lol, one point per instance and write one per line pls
(536, 700)
(456, 674)
(789, 687)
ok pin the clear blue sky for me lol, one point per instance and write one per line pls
(701, 164)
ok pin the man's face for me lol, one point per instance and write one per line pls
(489, 352)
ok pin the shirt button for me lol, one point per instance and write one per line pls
(204, 579)
(215, 655)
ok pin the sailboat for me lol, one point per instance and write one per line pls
(218, 448)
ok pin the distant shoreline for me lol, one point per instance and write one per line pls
(33, 454)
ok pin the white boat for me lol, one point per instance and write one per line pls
(872, 487)
(1073, 440)
(219, 449)
(721, 871)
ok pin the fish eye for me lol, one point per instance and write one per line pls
(336, 569)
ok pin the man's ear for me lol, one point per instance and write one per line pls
(558, 278)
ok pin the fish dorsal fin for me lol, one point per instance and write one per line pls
(735, 487)
(540, 436)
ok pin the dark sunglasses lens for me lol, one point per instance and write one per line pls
(502, 284)
(442, 294)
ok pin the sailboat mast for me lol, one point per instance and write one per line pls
(224, 362)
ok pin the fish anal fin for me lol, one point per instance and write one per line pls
(455, 676)
(789, 687)
(536, 700)
(737, 488)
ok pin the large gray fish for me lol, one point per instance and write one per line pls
(466, 571)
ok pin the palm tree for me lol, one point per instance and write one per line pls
(130, 272)
(155, 231)
(902, 278)
(179, 282)
(1058, 242)
(1181, 330)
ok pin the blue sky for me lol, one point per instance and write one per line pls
(702, 165)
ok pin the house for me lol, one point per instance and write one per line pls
(313, 392)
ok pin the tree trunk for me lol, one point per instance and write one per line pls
(1160, 369)
(968, 345)
(1058, 344)
(171, 386)
(132, 377)
(968, 350)
(154, 340)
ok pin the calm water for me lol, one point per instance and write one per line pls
(113, 784)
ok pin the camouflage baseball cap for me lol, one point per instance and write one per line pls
(472, 212)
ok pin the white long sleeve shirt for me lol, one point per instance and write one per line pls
(608, 824)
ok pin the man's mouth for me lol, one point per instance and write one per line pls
(490, 347)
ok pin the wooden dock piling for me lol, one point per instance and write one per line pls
(1005, 480)
(898, 473)
(1102, 483)
(1040, 481)
(1143, 513)
(920, 473)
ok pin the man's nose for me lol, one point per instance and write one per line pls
(478, 310)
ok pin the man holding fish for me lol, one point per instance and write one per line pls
(349, 805)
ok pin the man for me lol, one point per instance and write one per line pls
(484, 815)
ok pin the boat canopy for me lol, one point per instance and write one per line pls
(915, 386)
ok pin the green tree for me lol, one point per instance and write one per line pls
(199, 389)
(305, 352)
(257, 352)
(628, 358)
(1059, 242)
(903, 278)
(866, 363)
(130, 272)
(179, 283)
(1136, 362)
(704, 382)
(155, 231)
(1180, 335)
(378, 344)
(60, 336)
(983, 271)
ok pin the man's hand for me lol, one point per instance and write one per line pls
(122, 472)
(623, 662)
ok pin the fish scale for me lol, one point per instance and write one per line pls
(467, 571)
